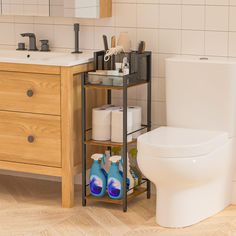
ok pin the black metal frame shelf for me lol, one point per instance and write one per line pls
(106, 87)
(130, 80)
(110, 143)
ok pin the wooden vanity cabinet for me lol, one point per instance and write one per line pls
(40, 121)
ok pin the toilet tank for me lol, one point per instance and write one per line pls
(201, 93)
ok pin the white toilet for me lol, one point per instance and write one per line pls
(191, 160)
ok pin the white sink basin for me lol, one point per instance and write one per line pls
(45, 58)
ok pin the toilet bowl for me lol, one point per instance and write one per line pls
(190, 169)
(191, 160)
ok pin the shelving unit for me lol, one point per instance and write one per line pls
(131, 80)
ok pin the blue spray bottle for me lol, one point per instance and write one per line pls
(98, 180)
(115, 180)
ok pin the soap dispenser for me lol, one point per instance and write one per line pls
(98, 180)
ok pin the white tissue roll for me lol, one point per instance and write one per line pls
(101, 133)
(117, 125)
(101, 123)
(136, 120)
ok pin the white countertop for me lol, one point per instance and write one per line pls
(45, 58)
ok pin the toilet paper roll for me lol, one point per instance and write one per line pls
(136, 119)
(117, 125)
(101, 123)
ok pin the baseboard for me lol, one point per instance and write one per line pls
(78, 178)
(234, 193)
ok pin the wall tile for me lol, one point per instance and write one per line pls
(171, 1)
(147, 15)
(232, 18)
(7, 33)
(169, 28)
(169, 41)
(63, 36)
(170, 16)
(126, 15)
(232, 44)
(99, 32)
(216, 43)
(217, 2)
(193, 42)
(150, 36)
(193, 2)
(217, 18)
(232, 2)
(193, 17)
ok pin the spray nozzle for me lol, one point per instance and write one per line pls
(121, 161)
(97, 157)
(115, 159)
(103, 159)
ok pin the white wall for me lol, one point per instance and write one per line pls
(196, 27)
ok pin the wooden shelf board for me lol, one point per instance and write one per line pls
(107, 143)
(106, 198)
(105, 87)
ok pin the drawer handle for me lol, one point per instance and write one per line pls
(30, 93)
(31, 138)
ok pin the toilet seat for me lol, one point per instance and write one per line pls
(170, 142)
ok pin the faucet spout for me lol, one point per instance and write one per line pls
(32, 41)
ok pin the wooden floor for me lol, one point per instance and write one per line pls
(32, 208)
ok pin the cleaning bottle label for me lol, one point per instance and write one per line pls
(114, 187)
(95, 185)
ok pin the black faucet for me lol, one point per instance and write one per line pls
(77, 30)
(32, 41)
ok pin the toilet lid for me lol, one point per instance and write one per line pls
(179, 142)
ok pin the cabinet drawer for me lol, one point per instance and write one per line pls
(28, 92)
(30, 138)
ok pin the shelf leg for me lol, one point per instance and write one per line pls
(148, 189)
(109, 97)
(125, 148)
(149, 93)
(83, 142)
(149, 109)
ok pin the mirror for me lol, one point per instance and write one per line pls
(81, 8)
(77, 8)
(26, 7)
(61, 8)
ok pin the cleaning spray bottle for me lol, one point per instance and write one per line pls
(135, 171)
(98, 180)
(115, 180)
(130, 181)
(106, 163)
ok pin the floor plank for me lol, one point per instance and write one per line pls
(32, 208)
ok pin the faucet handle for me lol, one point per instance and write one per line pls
(21, 47)
(45, 45)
